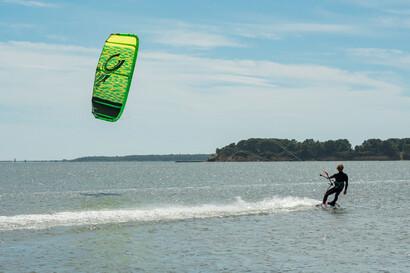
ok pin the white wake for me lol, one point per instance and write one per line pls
(163, 213)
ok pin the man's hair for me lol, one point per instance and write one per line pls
(340, 167)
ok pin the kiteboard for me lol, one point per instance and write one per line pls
(328, 207)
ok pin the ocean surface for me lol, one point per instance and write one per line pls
(202, 217)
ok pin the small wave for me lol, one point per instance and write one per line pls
(100, 194)
(77, 218)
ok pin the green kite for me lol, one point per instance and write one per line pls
(113, 76)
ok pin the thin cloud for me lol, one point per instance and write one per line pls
(58, 38)
(198, 73)
(202, 71)
(393, 22)
(392, 13)
(195, 39)
(381, 56)
(403, 12)
(182, 34)
(378, 4)
(45, 47)
(266, 73)
(31, 3)
(17, 26)
(280, 29)
(320, 28)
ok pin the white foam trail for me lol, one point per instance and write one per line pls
(77, 218)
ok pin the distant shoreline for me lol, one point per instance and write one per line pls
(129, 158)
(203, 161)
(274, 150)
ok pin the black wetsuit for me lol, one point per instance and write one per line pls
(340, 179)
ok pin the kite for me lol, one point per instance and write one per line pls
(113, 76)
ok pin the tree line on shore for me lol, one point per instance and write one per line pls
(273, 149)
(168, 157)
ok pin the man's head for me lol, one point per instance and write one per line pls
(340, 167)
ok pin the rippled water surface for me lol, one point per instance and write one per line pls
(202, 217)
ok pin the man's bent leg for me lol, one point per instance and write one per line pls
(329, 192)
(333, 203)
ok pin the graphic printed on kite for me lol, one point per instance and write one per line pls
(106, 71)
(113, 76)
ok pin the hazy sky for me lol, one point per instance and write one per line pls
(208, 73)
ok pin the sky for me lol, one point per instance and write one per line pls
(208, 73)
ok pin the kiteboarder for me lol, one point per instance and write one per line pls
(340, 179)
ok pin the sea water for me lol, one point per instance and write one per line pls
(202, 217)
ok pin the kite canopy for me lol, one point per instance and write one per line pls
(113, 76)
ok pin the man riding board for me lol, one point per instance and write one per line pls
(340, 179)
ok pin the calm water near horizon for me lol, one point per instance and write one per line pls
(202, 217)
